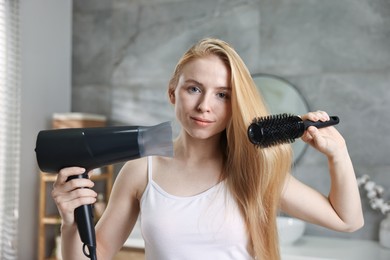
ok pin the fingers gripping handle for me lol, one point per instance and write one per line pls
(334, 120)
(84, 219)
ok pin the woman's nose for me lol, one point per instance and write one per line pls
(204, 104)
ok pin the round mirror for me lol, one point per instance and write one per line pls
(282, 97)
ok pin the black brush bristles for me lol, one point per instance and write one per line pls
(275, 129)
(280, 129)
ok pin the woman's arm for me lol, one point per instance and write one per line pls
(341, 210)
(122, 211)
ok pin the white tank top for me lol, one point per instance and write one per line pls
(200, 227)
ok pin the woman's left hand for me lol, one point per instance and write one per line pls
(326, 140)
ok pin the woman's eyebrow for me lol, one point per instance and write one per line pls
(226, 88)
(194, 82)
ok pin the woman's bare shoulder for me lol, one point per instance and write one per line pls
(134, 168)
(133, 176)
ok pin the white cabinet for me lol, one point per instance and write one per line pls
(318, 248)
(325, 248)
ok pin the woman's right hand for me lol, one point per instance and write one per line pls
(69, 195)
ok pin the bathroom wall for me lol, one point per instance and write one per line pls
(45, 65)
(337, 53)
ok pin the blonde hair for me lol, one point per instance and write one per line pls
(255, 176)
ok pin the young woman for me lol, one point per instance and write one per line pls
(219, 196)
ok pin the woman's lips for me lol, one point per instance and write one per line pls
(201, 121)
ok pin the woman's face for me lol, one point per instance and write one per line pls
(202, 97)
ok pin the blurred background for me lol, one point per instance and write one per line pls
(115, 57)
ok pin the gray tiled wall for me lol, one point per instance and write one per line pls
(337, 53)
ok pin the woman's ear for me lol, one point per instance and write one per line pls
(172, 97)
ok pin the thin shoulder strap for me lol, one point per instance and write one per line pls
(150, 162)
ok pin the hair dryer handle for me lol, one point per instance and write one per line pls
(84, 219)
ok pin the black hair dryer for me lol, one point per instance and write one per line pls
(92, 148)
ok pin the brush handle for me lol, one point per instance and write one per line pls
(334, 120)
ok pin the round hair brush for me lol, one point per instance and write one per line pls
(283, 128)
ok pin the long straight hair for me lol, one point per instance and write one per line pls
(255, 176)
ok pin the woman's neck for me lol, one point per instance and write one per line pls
(190, 149)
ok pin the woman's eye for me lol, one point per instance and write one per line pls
(223, 95)
(193, 89)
